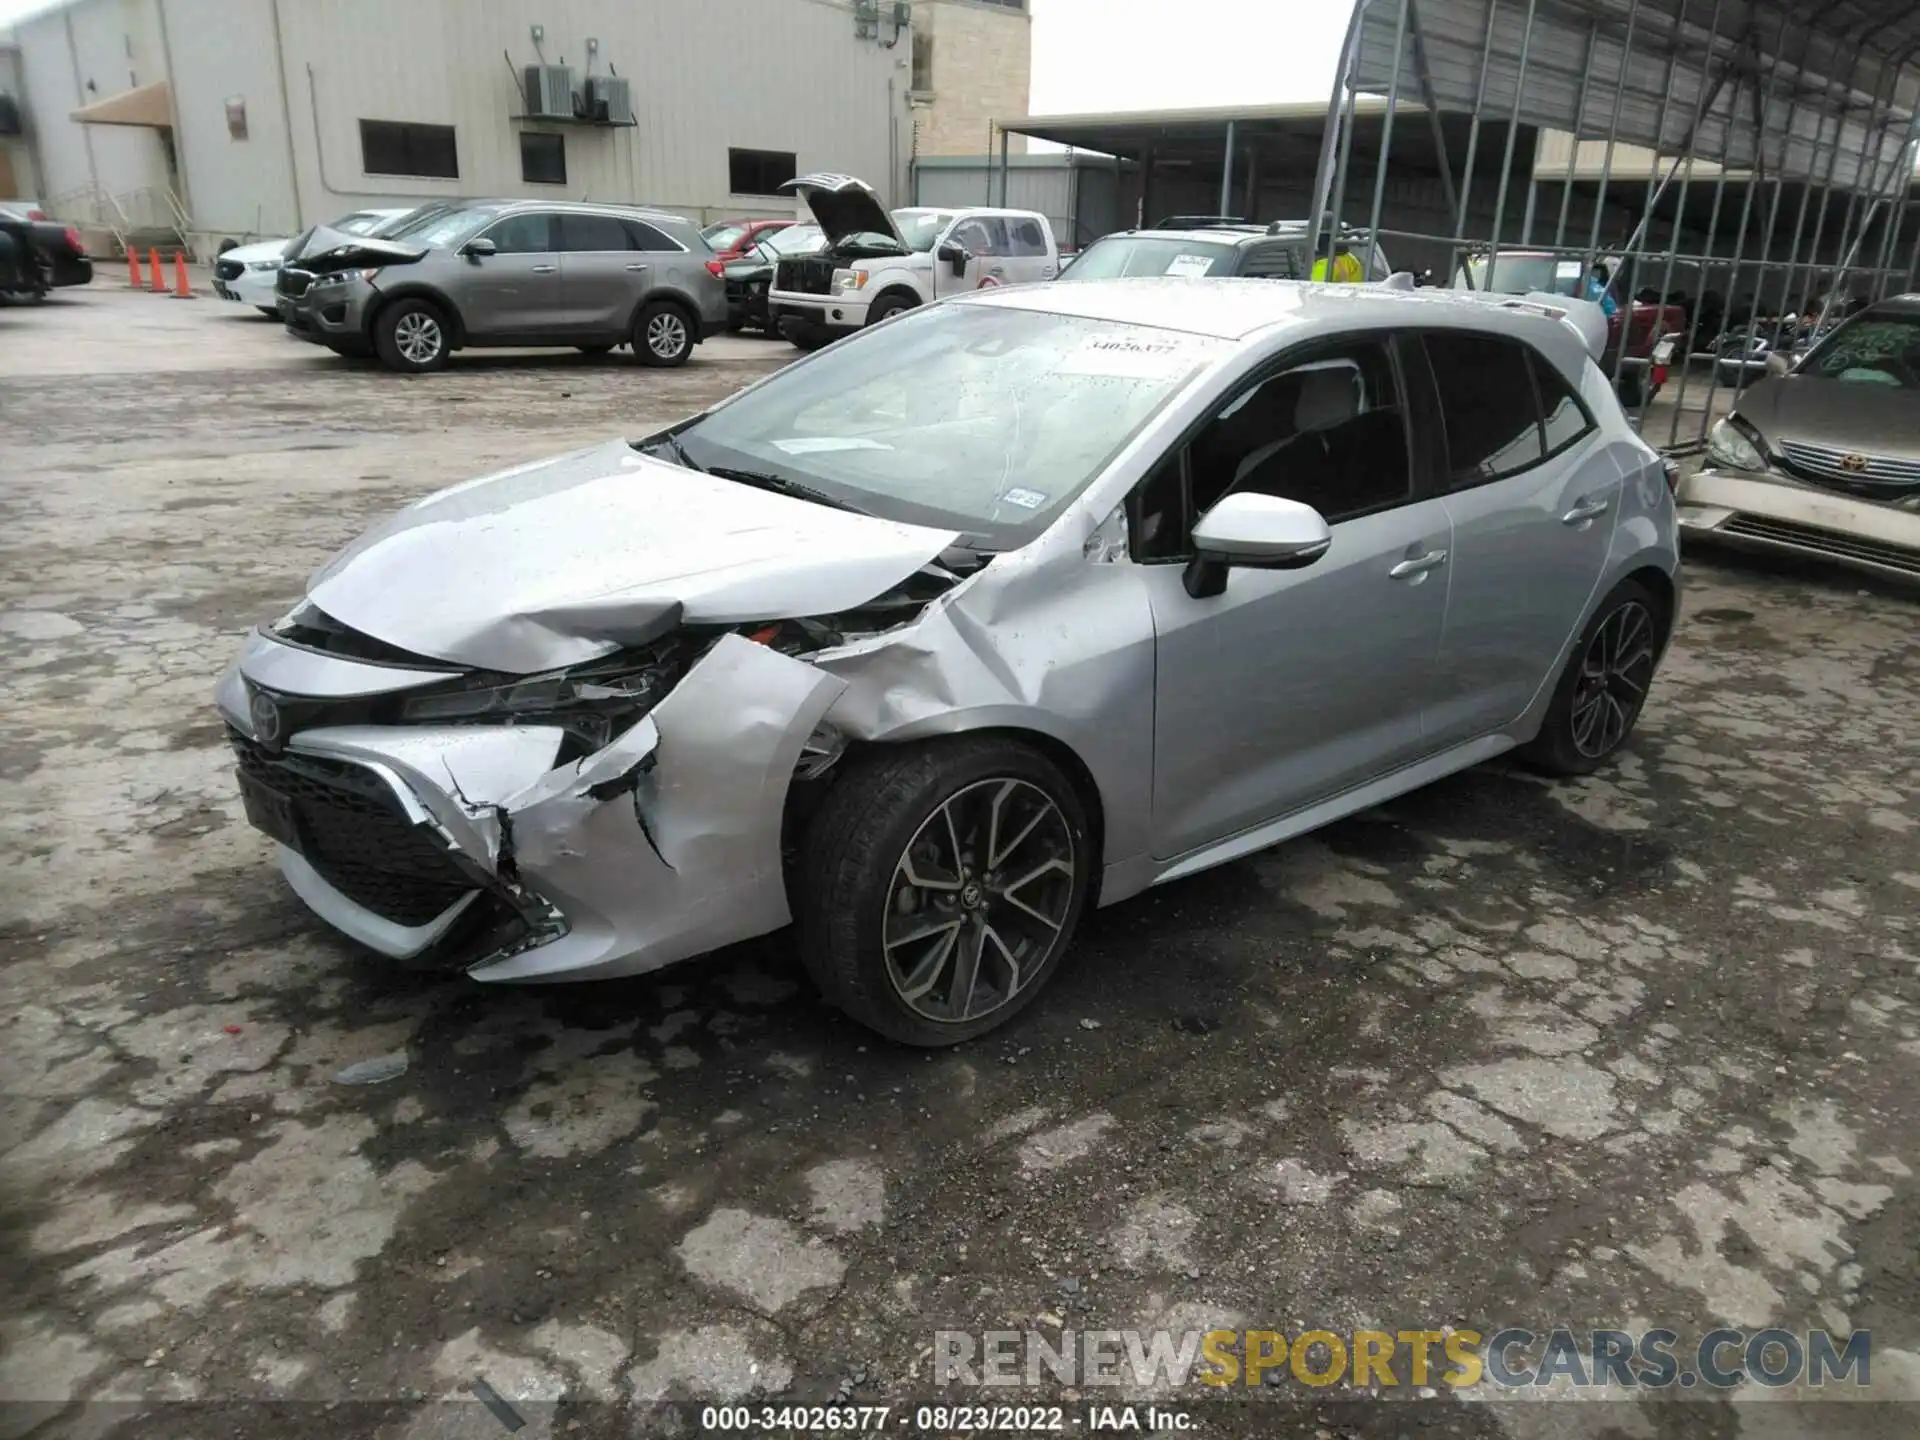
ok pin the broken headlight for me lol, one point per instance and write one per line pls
(592, 702)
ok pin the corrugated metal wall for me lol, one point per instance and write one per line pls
(784, 75)
(1080, 198)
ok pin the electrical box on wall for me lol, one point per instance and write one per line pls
(548, 91)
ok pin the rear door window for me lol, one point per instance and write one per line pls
(651, 237)
(1487, 403)
(593, 232)
(1274, 262)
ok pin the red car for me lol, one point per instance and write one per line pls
(735, 239)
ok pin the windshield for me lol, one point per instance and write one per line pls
(795, 240)
(1525, 275)
(725, 235)
(920, 228)
(1120, 255)
(360, 222)
(1870, 350)
(406, 221)
(976, 418)
(450, 227)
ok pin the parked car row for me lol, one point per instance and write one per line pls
(38, 254)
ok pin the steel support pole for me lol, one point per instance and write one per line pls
(1904, 177)
(1386, 144)
(1334, 220)
(1226, 174)
(1706, 267)
(1708, 98)
(1003, 167)
(1325, 167)
(1424, 73)
(1877, 189)
(1513, 134)
(1473, 128)
(1613, 136)
(1628, 256)
(1820, 220)
(1762, 105)
(1573, 150)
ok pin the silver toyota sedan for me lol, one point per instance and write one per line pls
(1011, 606)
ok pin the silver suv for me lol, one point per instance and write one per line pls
(510, 273)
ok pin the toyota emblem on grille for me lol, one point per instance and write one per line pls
(266, 720)
(1853, 464)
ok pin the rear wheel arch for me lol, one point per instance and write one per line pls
(666, 295)
(1661, 585)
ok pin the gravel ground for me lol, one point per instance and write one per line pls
(1638, 1051)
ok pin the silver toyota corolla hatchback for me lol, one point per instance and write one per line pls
(1008, 607)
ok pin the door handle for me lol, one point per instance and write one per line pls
(1586, 510)
(636, 267)
(1418, 564)
(544, 269)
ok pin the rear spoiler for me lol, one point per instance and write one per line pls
(1583, 317)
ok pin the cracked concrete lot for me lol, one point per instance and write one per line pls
(1639, 1051)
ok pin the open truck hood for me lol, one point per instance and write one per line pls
(844, 206)
(331, 250)
(558, 562)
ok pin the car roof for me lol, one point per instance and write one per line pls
(1199, 235)
(579, 207)
(1896, 305)
(1232, 308)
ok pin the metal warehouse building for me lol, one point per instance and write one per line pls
(224, 119)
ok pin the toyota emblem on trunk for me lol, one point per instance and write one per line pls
(1853, 464)
(266, 720)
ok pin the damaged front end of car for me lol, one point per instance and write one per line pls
(598, 819)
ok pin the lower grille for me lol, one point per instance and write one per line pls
(805, 277)
(1832, 543)
(354, 833)
(292, 282)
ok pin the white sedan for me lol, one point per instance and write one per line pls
(247, 273)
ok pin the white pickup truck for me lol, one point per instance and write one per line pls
(878, 262)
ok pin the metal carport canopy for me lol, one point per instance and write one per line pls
(1806, 89)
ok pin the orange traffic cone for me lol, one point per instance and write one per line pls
(182, 290)
(133, 268)
(159, 285)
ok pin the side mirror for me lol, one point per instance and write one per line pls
(1255, 532)
(955, 257)
(479, 249)
(1778, 364)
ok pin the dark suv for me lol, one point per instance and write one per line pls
(1269, 252)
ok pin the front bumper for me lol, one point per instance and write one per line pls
(663, 845)
(330, 314)
(249, 287)
(839, 313)
(1773, 514)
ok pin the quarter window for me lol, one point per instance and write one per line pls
(649, 237)
(1488, 407)
(392, 147)
(1026, 237)
(592, 232)
(1563, 417)
(1274, 262)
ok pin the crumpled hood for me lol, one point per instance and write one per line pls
(1853, 415)
(331, 250)
(561, 561)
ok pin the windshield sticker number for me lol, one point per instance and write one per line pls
(1025, 499)
(1127, 357)
(1190, 265)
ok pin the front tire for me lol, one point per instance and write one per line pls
(662, 336)
(1605, 684)
(411, 336)
(888, 306)
(939, 886)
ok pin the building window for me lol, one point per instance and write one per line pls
(543, 158)
(390, 147)
(923, 60)
(760, 172)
